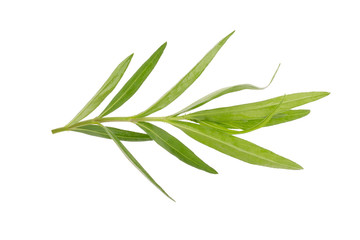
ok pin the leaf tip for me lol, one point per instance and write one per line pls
(322, 94)
(209, 169)
(130, 56)
(295, 166)
(273, 77)
(228, 36)
(164, 45)
(169, 196)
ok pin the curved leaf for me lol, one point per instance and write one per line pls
(124, 135)
(234, 146)
(255, 110)
(186, 81)
(174, 146)
(104, 91)
(131, 158)
(134, 82)
(222, 92)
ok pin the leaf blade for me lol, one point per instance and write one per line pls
(103, 92)
(132, 159)
(135, 82)
(234, 146)
(256, 126)
(255, 110)
(175, 147)
(279, 118)
(221, 92)
(186, 81)
(123, 135)
(265, 120)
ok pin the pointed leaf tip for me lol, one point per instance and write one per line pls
(231, 33)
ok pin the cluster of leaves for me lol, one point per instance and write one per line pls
(214, 127)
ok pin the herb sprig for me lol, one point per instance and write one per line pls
(214, 127)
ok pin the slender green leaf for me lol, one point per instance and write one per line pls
(264, 121)
(186, 81)
(134, 82)
(104, 91)
(259, 124)
(278, 118)
(131, 158)
(222, 92)
(255, 110)
(123, 135)
(234, 146)
(174, 146)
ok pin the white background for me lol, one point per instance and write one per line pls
(54, 55)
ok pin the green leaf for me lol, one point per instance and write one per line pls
(185, 82)
(222, 92)
(134, 82)
(264, 121)
(174, 146)
(259, 124)
(124, 135)
(131, 158)
(255, 110)
(104, 91)
(234, 146)
(278, 118)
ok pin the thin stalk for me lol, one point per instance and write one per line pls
(98, 120)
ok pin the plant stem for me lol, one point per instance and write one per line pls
(113, 119)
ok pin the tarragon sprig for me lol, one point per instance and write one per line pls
(214, 127)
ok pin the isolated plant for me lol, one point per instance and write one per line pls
(214, 127)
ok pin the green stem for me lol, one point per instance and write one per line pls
(113, 119)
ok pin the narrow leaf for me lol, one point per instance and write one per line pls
(174, 146)
(104, 91)
(264, 121)
(255, 110)
(134, 82)
(278, 118)
(131, 158)
(234, 146)
(186, 81)
(124, 135)
(222, 92)
(261, 123)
